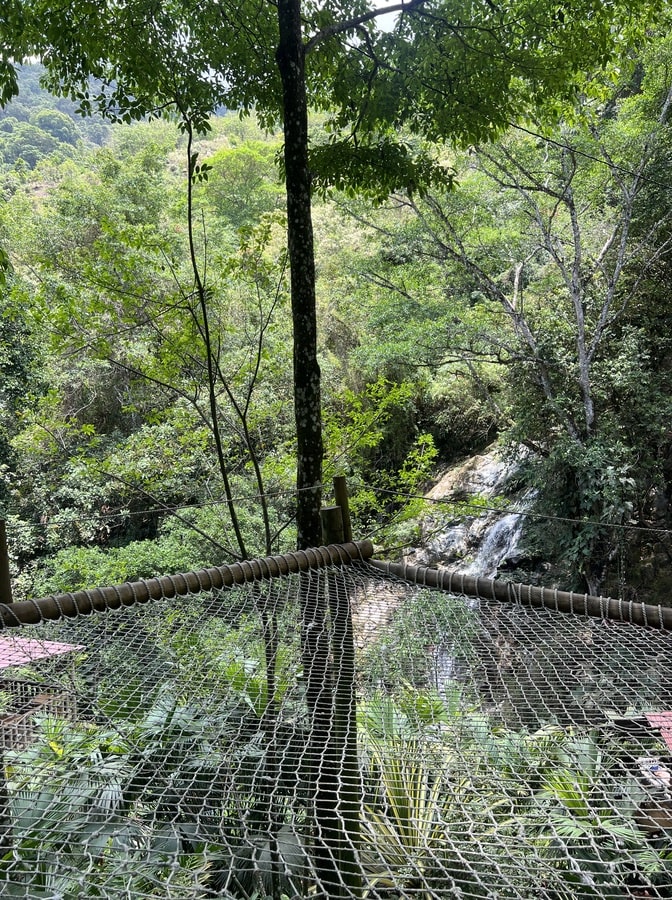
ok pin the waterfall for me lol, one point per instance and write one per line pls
(478, 543)
(498, 545)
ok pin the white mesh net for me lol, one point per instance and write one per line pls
(206, 746)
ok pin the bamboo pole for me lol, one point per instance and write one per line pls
(70, 605)
(549, 598)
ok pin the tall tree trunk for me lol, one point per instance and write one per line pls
(307, 403)
(321, 778)
(307, 412)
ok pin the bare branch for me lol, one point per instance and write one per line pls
(356, 21)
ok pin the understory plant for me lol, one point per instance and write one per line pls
(456, 805)
(588, 828)
(144, 807)
(181, 796)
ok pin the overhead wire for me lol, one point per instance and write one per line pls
(205, 503)
(511, 510)
(459, 510)
(167, 509)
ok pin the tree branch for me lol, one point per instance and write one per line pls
(356, 21)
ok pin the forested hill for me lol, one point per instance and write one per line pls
(529, 304)
(37, 125)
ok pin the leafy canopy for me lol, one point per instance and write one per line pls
(450, 69)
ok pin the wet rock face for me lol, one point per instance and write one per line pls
(485, 474)
(487, 539)
(474, 541)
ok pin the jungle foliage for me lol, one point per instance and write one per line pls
(147, 389)
(473, 281)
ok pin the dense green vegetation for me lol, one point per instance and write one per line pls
(145, 413)
(38, 125)
(510, 285)
(107, 419)
(457, 72)
(544, 272)
(528, 303)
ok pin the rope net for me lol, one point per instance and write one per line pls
(210, 746)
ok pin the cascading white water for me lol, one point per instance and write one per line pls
(479, 543)
(499, 543)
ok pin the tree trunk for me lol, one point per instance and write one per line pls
(320, 778)
(307, 403)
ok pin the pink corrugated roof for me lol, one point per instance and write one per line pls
(16, 651)
(663, 721)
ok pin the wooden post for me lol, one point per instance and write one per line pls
(342, 499)
(5, 580)
(332, 524)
